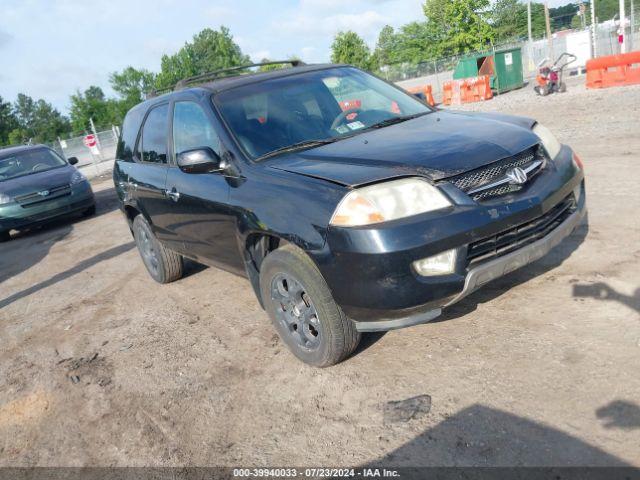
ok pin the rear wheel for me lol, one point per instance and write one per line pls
(5, 236)
(163, 265)
(301, 308)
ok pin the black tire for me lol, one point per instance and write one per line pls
(336, 337)
(5, 237)
(89, 212)
(164, 265)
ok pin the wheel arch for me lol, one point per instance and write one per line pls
(255, 248)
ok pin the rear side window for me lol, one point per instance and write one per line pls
(193, 129)
(130, 129)
(153, 143)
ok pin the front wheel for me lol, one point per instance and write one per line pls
(301, 308)
(163, 265)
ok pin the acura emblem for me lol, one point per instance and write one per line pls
(43, 193)
(517, 176)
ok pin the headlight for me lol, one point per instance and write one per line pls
(388, 201)
(548, 139)
(4, 199)
(77, 177)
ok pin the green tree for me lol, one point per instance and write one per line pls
(562, 17)
(349, 47)
(17, 136)
(132, 85)
(416, 43)
(509, 20)
(90, 104)
(8, 122)
(279, 66)
(38, 120)
(458, 26)
(386, 51)
(209, 50)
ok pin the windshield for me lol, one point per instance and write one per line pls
(28, 162)
(302, 110)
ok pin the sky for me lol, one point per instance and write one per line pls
(51, 48)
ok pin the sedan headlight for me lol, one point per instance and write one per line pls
(548, 139)
(77, 177)
(4, 199)
(388, 201)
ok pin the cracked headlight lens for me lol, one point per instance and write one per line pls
(387, 201)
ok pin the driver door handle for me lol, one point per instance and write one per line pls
(173, 194)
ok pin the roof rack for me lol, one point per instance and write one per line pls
(185, 82)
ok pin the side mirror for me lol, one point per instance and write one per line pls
(200, 160)
(72, 160)
(419, 95)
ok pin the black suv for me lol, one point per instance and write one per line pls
(350, 205)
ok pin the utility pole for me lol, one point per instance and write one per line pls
(530, 66)
(632, 18)
(594, 30)
(549, 37)
(623, 45)
(529, 20)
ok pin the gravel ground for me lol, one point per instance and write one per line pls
(100, 366)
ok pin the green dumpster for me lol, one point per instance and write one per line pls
(503, 66)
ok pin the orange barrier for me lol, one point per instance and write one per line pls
(350, 104)
(467, 90)
(614, 70)
(424, 90)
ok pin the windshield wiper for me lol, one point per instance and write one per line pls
(295, 147)
(394, 120)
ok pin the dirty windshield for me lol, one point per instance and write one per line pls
(312, 108)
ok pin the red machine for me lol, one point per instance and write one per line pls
(549, 78)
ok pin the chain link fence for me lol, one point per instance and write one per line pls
(91, 161)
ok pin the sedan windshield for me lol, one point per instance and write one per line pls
(28, 162)
(310, 109)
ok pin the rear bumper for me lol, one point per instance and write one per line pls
(369, 270)
(15, 217)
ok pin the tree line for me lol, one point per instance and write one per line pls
(454, 27)
(449, 27)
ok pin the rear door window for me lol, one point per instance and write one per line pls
(152, 145)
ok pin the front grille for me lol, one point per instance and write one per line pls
(35, 198)
(474, 180)
(521, 235)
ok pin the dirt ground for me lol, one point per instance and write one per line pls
(101, 366)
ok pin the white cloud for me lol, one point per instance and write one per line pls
(260, 55)
(366, 24)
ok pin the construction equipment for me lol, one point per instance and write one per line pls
(550, 77)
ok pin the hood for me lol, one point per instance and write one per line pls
(437, 145)
(36, 182)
